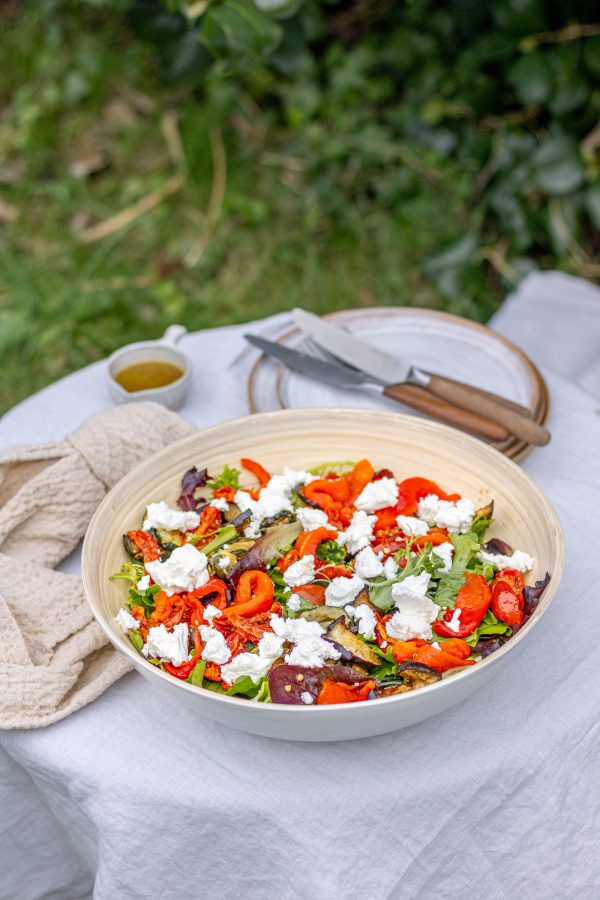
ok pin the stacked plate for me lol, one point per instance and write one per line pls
(435, 341)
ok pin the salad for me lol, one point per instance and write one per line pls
(338, 584)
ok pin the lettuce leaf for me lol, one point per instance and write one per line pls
(465, 548)
(331, 552)
(229, 477)
(192, 480)
(196, 676)
(380, 589)
(490, 625)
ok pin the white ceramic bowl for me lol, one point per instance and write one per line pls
(163, 350)
(301, 439)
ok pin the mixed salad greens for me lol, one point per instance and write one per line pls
(334, 585)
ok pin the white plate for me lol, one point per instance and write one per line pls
(436, 341)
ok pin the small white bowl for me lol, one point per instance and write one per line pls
(163, 350)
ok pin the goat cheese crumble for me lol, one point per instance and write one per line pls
(310, 518)
(366, 620)
(343, 590)
(377, 495)
(215, 646)
(519, 560)
(359, 532)
(126, 621)
(455, 516)
(185, 570)
(167, 646)
(300, 572)
(367, 564)
(160, 515)
(412, 526)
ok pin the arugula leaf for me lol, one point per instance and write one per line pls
(264, 694)
(465, 548)
(385, 670)
(479, 526)
(144, 598)
(137, 640)
(380, 590)
(130, 571)
(246, 686)
(196, 676)
(224, 535)
(331, 552)
(227, 478)
(489, 625)
(339, 468)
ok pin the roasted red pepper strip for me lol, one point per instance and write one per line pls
(411, 490)
(257, 470)
(513, 578)
(442, 660)
(314, 593)
(146, 544)
(225, 493)
(506, 604)
(185, 669)
(435, 537)
(324, 491)
(473, 600)
(307, 542)
(360, 476)
(283, 564)
(210, 522)
(329, 571)
(254, 595)
(338, 692)
(253, 628)
(168, 611)
(405, 650)
(195, 608)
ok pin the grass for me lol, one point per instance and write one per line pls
(222, 220)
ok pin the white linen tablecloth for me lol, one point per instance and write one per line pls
(134, 797)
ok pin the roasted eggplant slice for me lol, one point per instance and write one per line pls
(339, 633)
(222, 562)
(417, 675)
(324, 615)
(300, 495)
(495, 545)
(132, 549)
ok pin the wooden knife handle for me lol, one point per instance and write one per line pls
(489, 406)
(422, 400)
(510, 404)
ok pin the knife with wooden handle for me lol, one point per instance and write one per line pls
(398, 370)
(417, 398)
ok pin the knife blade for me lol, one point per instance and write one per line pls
(394, 369)
(341, 376)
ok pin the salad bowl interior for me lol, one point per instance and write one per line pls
(301, 439)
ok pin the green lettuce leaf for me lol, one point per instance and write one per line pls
(331, 552)
(465, 548)
(227, 478)
(137, 640)
(489, 625)
(196, 676)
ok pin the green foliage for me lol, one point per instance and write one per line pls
(330, 154)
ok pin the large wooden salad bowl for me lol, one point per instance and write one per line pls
(301, 439)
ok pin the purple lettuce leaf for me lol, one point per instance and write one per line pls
(191, 481)
(532, 594)
(270, 547)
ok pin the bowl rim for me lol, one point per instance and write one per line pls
(128, 650)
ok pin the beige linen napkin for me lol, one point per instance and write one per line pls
(54, 657)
